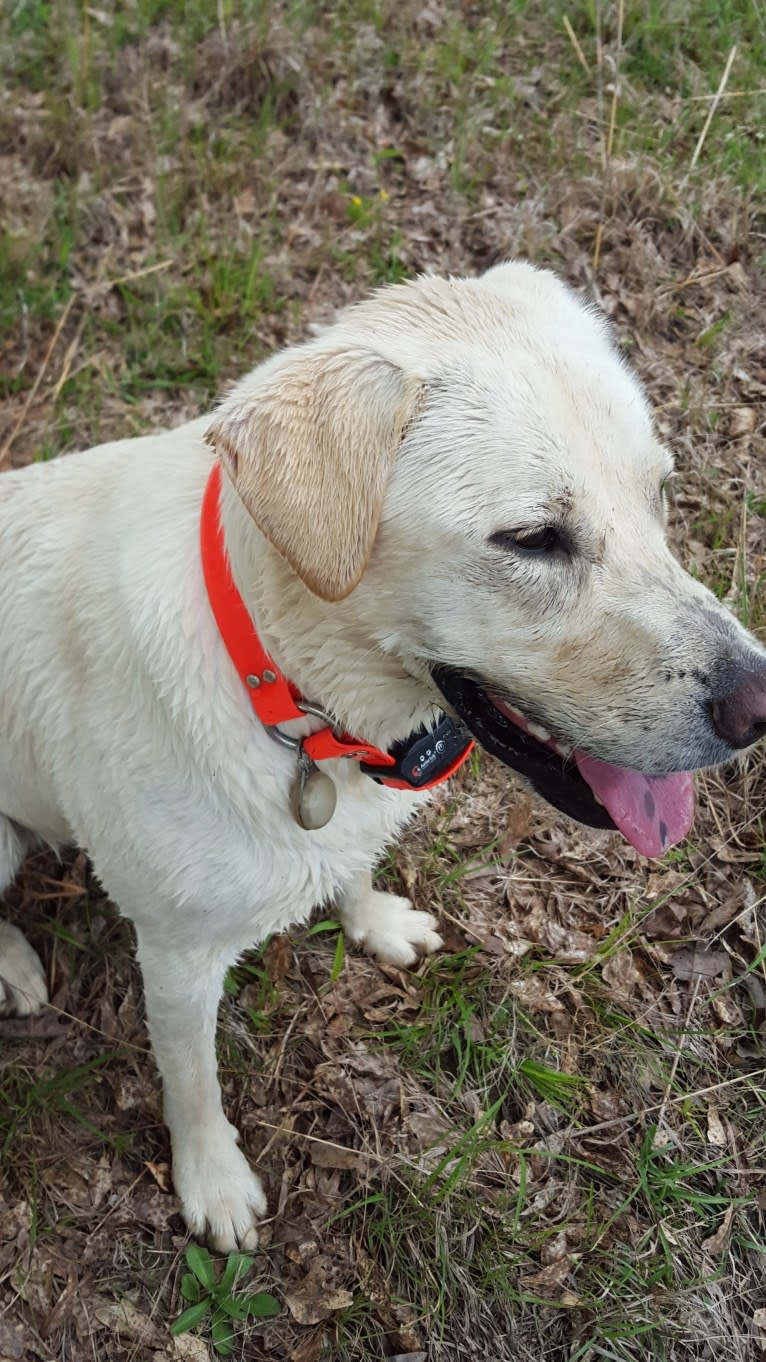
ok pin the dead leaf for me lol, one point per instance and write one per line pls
(757, 994)
(718, 1240)
(730, 1013)
(377, 1014)
(623, 974)
(428, 1132)
(520, 1130)
(161, 1174)
(606, 1104)
(742, 422)
(698, 962)
(278, 957)
(128, 1322)
(318, 1295)
(189, 1348)
(41, 1027)
(11, 1341)
(373, 1279)
(244, 203)
(555, 1249)
(666, 921)
(549, 1280)
(309, 1349)
(728, 854)
(664, 1138)
(38, 1288)
(326, 1155)
(722, 913)
(759, 1327)
(567, 943)
(533, 994)
(715, 1132)
(661, 884)
(308, 1310)
(517, 828)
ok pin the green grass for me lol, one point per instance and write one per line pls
(466, 88)
(468, 1040)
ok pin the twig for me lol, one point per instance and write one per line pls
(284, 1129)
(672, 1101)
(104, 285)
(676, 1058)
(40, 375)
(701, 277)
(572, 36)
(610, 135)
(600, 83)
(716, 101)
(89, 292)
(729, 94)
(68, 357)
(615, 89)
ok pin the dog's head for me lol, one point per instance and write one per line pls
(475, 458)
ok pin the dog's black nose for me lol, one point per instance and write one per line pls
(739, 718)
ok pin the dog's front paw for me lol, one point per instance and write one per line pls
(23, 990)
(388, 927)
(221, 1197)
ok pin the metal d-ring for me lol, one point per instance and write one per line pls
(295, 744)
(312, 792)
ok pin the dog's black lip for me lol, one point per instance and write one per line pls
(557, 780)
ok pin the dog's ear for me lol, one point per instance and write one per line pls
(310, 450)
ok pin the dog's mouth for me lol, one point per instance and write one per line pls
(651, 812)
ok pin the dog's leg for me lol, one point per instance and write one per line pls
(386, 925)
(22, 981)
(221, 1197)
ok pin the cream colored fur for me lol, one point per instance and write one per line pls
(367, 471)
(316, 412)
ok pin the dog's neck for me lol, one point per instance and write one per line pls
(328, 650)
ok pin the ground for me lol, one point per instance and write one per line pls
(548, 1141)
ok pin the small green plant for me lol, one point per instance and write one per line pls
(209, 1297)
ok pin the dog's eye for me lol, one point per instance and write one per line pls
(545, 540)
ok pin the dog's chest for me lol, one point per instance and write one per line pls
(279, 871)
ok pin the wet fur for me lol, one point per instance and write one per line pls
(367, 471)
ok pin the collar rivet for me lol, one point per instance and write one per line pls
(253, 682)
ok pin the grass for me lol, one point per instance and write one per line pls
(530, 1115)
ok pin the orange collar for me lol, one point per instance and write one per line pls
(276, 700)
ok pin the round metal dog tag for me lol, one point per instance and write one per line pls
(313, 795)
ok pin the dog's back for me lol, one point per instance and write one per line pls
(61, 580)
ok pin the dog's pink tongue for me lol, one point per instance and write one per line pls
(652, 812)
